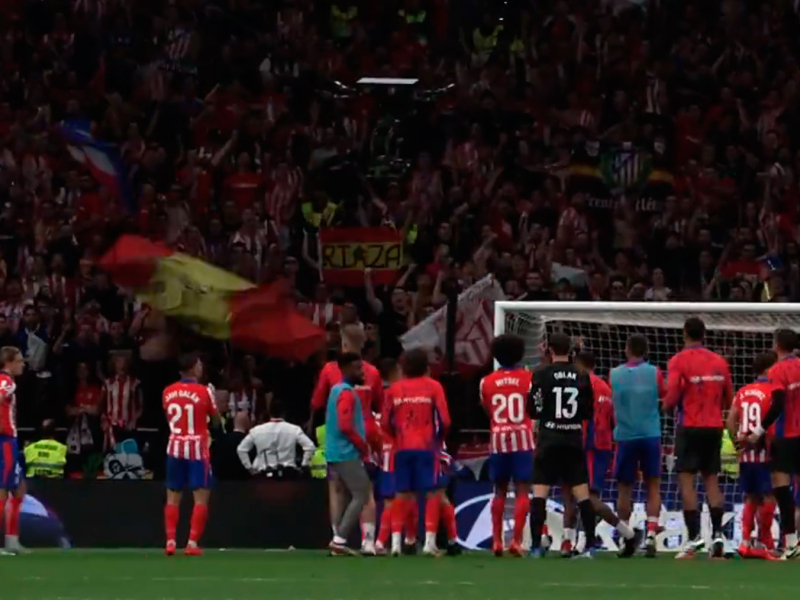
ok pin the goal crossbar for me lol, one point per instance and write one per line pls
(761, 317)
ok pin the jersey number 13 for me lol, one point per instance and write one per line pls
(566, 402)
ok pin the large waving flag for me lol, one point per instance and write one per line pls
(102, 159)
(474, 327)
(211, 301)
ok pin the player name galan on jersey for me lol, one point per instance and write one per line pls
(183, 394)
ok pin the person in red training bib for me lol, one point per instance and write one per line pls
(189, 406)
(370, 393)
(750, 405)
(699, 386)
(11, 494)
(784, 413)
(504, 395)
(416, 417)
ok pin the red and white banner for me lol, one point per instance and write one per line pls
(474, 326)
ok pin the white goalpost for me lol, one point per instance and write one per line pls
(737, 331)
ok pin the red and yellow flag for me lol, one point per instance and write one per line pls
(211, 301)
(347, 251)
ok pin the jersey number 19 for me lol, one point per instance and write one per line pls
(751, 417)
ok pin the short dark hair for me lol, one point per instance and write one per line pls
(694, 329)
(637, 345)
(785, 340)
(508, 349)
(348, 358)
(764, 361)
(187, 361)
(386, 367)
(559, 344)
(415, 363)
(586, 359)
(275, 408)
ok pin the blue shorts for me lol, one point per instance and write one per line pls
(511, 466)
(183, 473)
(385, 486)
(796, 494)
(415, 470)
(637, 455)
(597, 462)
(754, 478)
(10, 469)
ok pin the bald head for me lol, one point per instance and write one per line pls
(353, 338)
(241, 422)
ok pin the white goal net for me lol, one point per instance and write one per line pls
(738, 332)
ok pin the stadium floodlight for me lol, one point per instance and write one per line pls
(737, 331)
(387, 81)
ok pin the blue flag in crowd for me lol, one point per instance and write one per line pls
(102, 159)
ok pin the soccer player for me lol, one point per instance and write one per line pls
(750, 405)
(784, 412)
(599, 454)
(385, 488)
(189, 406)
(699, 385)
(347, 448)
(561, 399)
(370, 393)
(416, 417)
(636, 388)
(504, 396)
(447, 511)
(11, 496)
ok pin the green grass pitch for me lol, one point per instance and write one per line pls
(237, 575)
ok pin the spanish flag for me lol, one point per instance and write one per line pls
(347, 251)
(211, 301)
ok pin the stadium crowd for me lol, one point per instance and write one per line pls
(597, 149)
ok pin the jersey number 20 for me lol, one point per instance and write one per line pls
(566, 402)
(175, 412)
(509, 408)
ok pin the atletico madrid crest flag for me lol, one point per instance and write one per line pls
(346, 252)
(212, 302)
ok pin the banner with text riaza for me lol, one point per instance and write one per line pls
(346, 252)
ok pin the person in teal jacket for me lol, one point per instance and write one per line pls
(346, 448)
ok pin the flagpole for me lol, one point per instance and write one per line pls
(451, 290)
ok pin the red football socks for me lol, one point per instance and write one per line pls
(448, 514)
(12, 516)
(198, 522)
(522, 505)
(748, 520)
(171, 515)
(412, 519)
(386, 523)
(652, 525)
(498, 510)
(765, 518)
(400, 508)
(432, 515)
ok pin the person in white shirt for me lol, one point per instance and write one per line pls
(276, 443)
